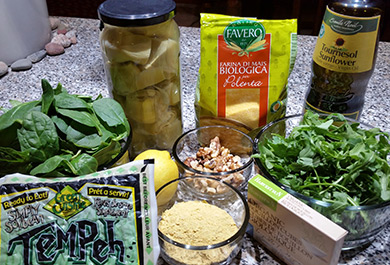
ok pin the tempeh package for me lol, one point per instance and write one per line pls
(108, 217)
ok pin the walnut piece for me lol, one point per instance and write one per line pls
(215, 158)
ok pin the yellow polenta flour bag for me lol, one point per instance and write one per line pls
(244, 67)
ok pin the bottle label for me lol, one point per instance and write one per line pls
(353, 115)
(345, 43)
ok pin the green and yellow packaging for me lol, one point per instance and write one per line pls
(107, 217)
(289, 228)
(244, 67)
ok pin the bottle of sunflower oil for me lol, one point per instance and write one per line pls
(344, 57)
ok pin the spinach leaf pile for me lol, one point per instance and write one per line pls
(61, 134)
(330, 159)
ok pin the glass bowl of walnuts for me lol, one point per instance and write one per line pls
(216, 151)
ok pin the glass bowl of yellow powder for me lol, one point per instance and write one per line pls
(197, 227)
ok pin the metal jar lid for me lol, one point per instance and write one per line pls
(133, 13)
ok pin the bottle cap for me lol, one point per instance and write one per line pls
(133, 13)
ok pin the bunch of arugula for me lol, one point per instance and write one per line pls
(61, 134)
(331, 160)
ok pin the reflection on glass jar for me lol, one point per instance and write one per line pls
(141, 49)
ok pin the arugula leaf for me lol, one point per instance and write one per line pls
(330, 159)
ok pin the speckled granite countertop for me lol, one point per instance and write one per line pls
(80, 70)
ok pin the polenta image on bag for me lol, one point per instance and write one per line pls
(244, 67)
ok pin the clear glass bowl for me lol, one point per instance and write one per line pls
(363, 223)
(231, 201)
(238, 143)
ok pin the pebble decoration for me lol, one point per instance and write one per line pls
(22, 64)
(62, 38)
(53, 48)
(3, 68)
(37, 56)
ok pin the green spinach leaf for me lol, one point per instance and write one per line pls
(84, 164)
(110, 112)
(47, 96)
(38, 136)
(48, 166)
(80, 139)
(82, 117)
(16, 114)
(61, 134)
(68, 101)
(11, 159)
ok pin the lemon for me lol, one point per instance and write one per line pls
(165, 170)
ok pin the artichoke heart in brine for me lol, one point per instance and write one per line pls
(142, 63)
(124, 46)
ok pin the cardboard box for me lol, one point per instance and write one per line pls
(292, 230)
